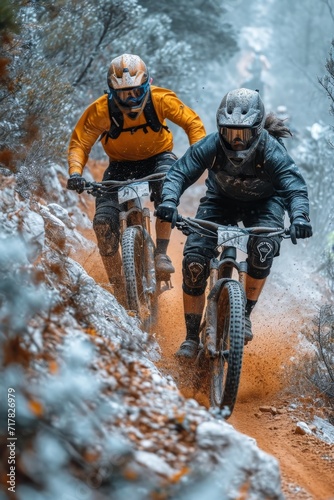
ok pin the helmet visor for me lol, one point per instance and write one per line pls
(238, 137)
(132, 96)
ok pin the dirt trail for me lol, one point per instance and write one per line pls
(306, 462)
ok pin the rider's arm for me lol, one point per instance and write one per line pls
(169, 106)
(189, 168)
(287, 179)
(91, 124)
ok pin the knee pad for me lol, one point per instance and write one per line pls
(195, 270)
(261, 253)
(107, 235)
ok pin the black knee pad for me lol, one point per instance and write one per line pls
(107, 234)
(261, 253)
(195, 270)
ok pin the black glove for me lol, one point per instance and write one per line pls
(300, 228)
(76, 183)
(167, 212)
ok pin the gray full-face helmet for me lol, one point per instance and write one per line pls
(240, 121)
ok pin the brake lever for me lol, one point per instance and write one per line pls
(184, 228)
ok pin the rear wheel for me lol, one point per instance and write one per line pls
(226, 366)
(137, 253)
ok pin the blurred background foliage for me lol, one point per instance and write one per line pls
(55, 58)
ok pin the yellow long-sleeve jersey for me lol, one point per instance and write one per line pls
(139, 145)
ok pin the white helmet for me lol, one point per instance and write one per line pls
(128, 81)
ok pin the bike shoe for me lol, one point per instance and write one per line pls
(163, 266)
(188, 349)
(248, 330)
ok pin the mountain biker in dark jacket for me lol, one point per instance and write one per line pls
(137, 145)
(251, 179)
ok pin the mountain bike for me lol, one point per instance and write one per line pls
(138, 269)
(222, 333)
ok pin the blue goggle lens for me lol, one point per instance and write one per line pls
(132, 96)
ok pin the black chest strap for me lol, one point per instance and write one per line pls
(117, 120)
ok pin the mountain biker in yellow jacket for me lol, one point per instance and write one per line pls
(130, 121)
(251, 179)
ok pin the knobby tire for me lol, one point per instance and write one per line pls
(135, 267)
(226, 369)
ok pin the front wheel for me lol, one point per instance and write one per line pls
(137, 254)
(226, 366)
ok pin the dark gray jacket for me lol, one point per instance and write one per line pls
(271, 171)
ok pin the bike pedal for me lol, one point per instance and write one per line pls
(167, 284)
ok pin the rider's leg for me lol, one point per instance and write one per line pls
(195, 274)
(163, 263)
(112, 265)
(253, 290)
(261, 252)
(106, 228)
(193, 310)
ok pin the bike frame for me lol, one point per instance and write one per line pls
(222, 332)
(138, 267)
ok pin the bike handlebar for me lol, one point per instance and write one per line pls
(113, 183)
(190, 224)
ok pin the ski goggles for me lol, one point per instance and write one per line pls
(132, 96)
(234, 135)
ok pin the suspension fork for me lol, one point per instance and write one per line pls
(131, 216)
(147, 220)
(243, 274)
(210, 339)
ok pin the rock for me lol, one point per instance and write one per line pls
(209, 432)
(281, 411)
(302, 428)
(33, 232)
(268, 409)
(62, 214)
(54, 229)
(154, 462)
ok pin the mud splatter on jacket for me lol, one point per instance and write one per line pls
(270, 172)
(137, 146)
